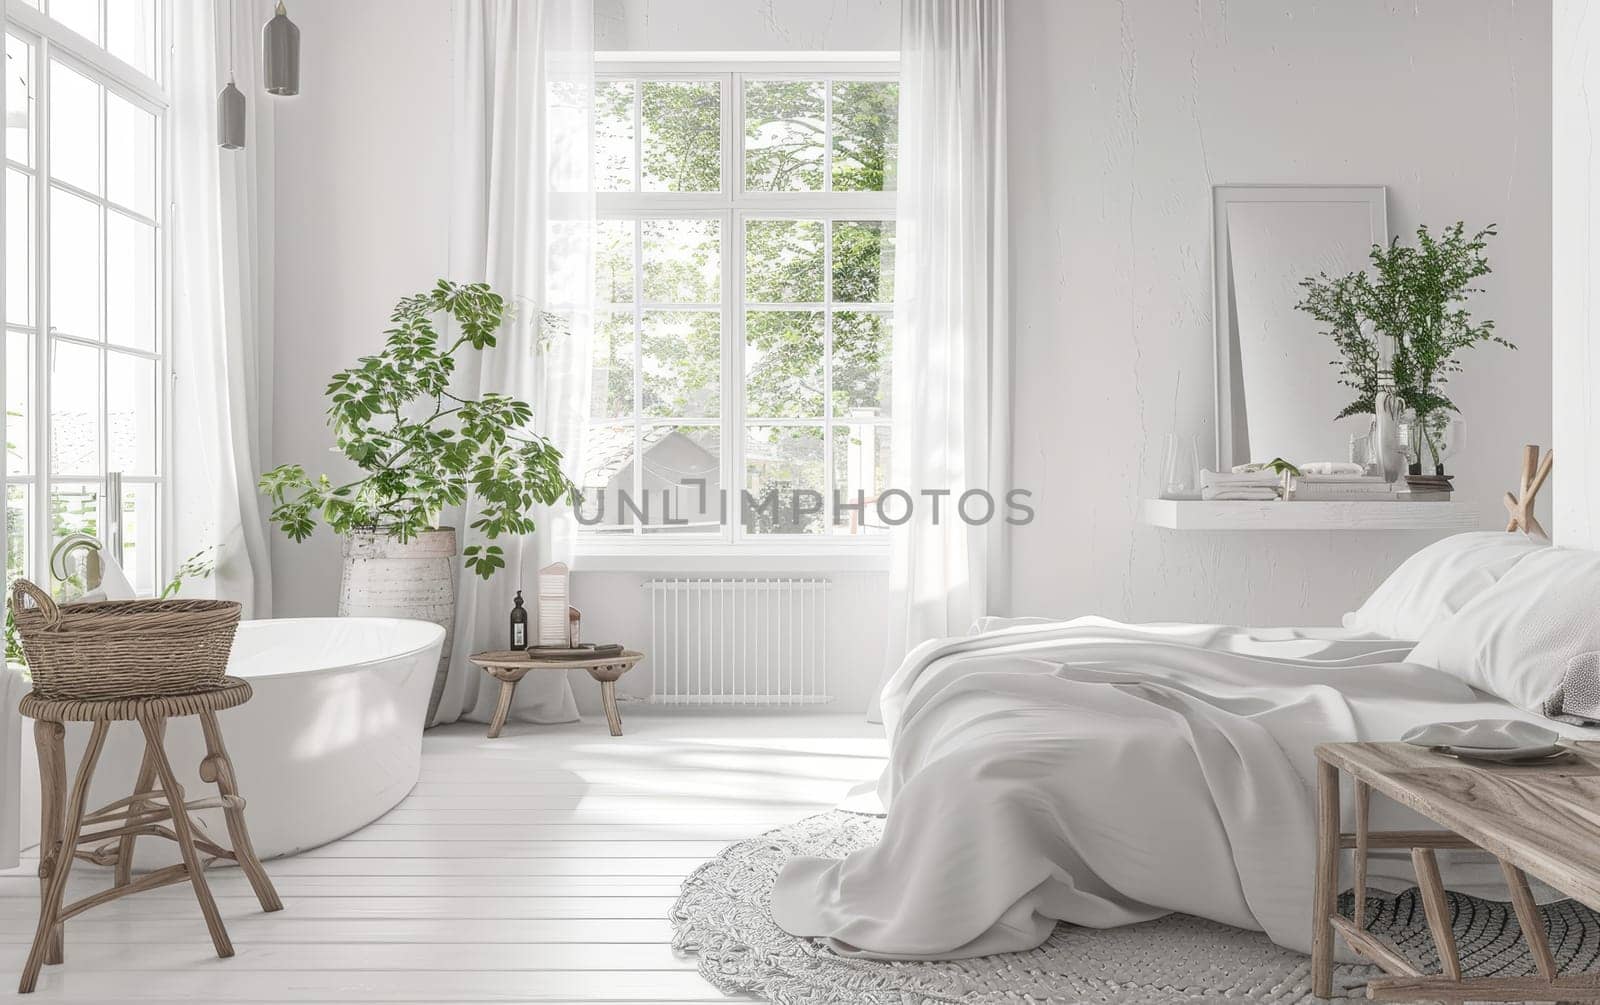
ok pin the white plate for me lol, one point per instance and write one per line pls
(1501, 755)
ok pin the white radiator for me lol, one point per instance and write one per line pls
(738, 641)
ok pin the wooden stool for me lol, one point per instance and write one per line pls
(62, 820)
(509, 668)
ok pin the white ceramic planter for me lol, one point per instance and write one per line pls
(386, 578)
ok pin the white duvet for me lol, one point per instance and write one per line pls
(1102, 774)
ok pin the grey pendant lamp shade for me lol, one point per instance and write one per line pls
(280, 54)
(230, 118)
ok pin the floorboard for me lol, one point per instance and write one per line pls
(538, 867)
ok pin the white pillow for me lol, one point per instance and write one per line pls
(1514, 640)
(1438, 580)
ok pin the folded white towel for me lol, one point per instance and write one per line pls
(1246, 479)
(1331, 468)
(1232, 494)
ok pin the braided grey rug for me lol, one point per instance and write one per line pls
(723, 916)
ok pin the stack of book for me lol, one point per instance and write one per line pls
(1341, 488)
(1428, 488)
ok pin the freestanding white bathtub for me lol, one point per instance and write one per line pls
(331, 741)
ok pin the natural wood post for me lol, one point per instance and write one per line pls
(180, 825)
(1437, 907)
(1363, 793)
(50, 904)
(1530, 920)
(50, 738)
(136, 806)
(218, 768)
(1325, 896)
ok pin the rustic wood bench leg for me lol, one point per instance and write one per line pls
(1530, 920)
(502, 708)
(60, 865)
(1437, 907)
(50, 738)
(180, 826)
(1363, 794)
(147, 777)
(218, 768)
(608, 698)
(1325, 897)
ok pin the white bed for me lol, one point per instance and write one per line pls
(1102, 774)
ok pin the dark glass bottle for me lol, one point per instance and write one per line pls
(519, 623)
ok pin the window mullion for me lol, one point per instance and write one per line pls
(827, 375)
(638, 363)
(43, 348)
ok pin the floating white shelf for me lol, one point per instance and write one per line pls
(1194, 514)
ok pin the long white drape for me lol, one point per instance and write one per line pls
(952, 355)
(521, 220)
(221, 347)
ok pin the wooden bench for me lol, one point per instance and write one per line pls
(1541, 820)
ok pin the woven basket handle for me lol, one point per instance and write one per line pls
(23, 588)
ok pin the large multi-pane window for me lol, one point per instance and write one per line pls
(84, 363)
(745, 261)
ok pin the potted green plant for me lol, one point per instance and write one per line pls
(1416, 297)
(420, 449)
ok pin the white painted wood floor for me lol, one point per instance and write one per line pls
(537, 867)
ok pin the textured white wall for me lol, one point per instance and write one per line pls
(1576, 295)
(1122, 117)
(363, 198)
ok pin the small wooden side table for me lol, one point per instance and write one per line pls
(509, 670)
(157, 800)
(1536, 819)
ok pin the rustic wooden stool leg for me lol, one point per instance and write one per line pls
(1325, 897)
(1530, 920)
(147, 778)
(50, 904)
(608, 698)
(1363, 794)
(218, 768)
(50, 738)
(502, 708)
(180, 826)
(1437, 907)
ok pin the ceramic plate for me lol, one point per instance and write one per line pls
(1520, 755)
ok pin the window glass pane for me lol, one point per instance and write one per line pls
(613, 136)
(130, 156)
(677, 459)
(863, 357)
(613, 262)
(139, 545)
(131, 33)
(682, 357)
(783, 364)
(74, 509)
(682, 261)
(74, 265)
(783, 261)
(611, 393)
(82, 16)
(783, 474)
(19, 100)
(74, 409)
(74, 128)
(130, 282)
(866, 135)
(784, 133)
(19, 530)
(19, 249)
(682, 135)
(863, 261)
(131, 416)
(607, 479)
(860, 473)
(19, 403)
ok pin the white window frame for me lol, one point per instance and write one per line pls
(732, 206)
(50, 40)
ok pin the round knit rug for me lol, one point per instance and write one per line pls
(723, 916)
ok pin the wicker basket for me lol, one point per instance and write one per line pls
(123, 648)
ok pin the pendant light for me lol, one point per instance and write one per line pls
(280, 54)
(230, 102)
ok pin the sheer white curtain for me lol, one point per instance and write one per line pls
(221, 303)
(521, 220)
(952, 346)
